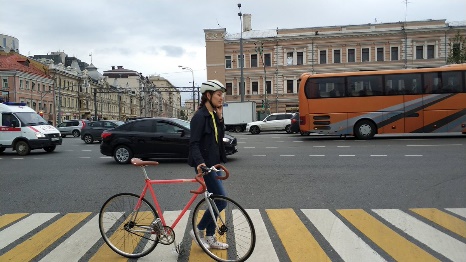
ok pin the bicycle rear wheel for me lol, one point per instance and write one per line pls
(128, 230)
(234, 228)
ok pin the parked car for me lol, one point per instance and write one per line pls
(93, 130)
(71, 127)
(273, 122)
(152, 138)
(295, 125)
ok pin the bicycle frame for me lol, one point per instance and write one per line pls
(149, 186)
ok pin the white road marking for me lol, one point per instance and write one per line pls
(21, 228)
(259, 155)
(249, 147)
(316, 155)
(84, 157)
(435, 239)
(264, 250)
(86, 150)
(458, 211)
(286, 155)
(345, 242)
(318, 146)
(271, 147)
(343, 146)
(346, 155)
(378, 155)
(413, 155)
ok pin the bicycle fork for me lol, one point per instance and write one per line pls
(213, 207)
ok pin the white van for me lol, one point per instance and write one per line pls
(23, 130)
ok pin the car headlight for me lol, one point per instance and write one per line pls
(226, 140)
(39, 135)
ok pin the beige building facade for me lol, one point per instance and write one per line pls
(275, 59)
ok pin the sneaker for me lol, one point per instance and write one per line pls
(203, 241)
(213, 243)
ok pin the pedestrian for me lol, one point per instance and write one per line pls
(206, 148)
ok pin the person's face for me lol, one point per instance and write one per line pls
(217, 98)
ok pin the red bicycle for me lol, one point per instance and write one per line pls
(132, 227)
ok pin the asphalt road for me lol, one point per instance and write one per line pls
(271, 170)
(313, 198)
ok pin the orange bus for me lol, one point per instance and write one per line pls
(365, 103)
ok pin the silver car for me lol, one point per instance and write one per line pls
(71, 127)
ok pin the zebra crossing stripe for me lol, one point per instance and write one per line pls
(391, 242)
(21, 228)
(346, 243)
(10, 218)
(443, 219)
(27, 250)
(458, 211)
(264, 250)
(196, 254)
(74, 247)
(436, 240)
(299, 243)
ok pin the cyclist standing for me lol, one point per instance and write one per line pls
(206, 148)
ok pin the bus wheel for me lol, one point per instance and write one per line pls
(364, 129)
(22, 148)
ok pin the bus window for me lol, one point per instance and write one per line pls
(432, 83)
(399, 84)
(452, 82)
(365, 86)
(325, 87)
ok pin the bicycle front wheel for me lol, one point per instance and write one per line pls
(234, 227)
(127, 229)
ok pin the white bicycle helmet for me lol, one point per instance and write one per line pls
(212, 85)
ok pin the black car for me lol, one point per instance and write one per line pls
(93, 130)
(152, 138)
(295, 125)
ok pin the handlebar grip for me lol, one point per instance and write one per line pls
(227, 173)
(200, 180)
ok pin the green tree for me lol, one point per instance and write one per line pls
(457, 53)
(183, 115)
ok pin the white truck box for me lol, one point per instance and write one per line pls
(237, 114)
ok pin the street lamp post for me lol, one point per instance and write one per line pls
(241, 84)
(260, 50)
(194, 92)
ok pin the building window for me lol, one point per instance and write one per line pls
(300, 58)
(430, 52)
(336, 56)
(27, 85)
(227, 61)
(267, 60)
(289, 86)
(380, 54)
(365, 55)
(21, 84)
(239, 61)
(394, 53)
(269, 86)
(5, 83)
(419, 52)
(229, 87)
(255, 88)
(289, 58)
(254, 60)
(351, 55)
(323, 57)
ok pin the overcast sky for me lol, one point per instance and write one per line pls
(155, 36)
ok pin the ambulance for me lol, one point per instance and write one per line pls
(23, 130)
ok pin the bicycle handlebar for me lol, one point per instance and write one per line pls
(205, 171)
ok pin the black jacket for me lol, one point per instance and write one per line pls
(202, 145)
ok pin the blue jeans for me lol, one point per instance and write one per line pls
(215, 187)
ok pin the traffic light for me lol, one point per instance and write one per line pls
(263, 103)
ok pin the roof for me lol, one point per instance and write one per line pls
(14, 61)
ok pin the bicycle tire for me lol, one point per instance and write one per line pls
(117, 220)
(239, 232)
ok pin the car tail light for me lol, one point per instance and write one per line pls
(106, 134)
(302, 120)
(293, 121)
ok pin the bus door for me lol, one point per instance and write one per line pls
(408, 86)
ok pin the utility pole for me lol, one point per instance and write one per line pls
(260, 50)
(241, 84)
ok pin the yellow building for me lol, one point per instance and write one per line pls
(276, 58)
